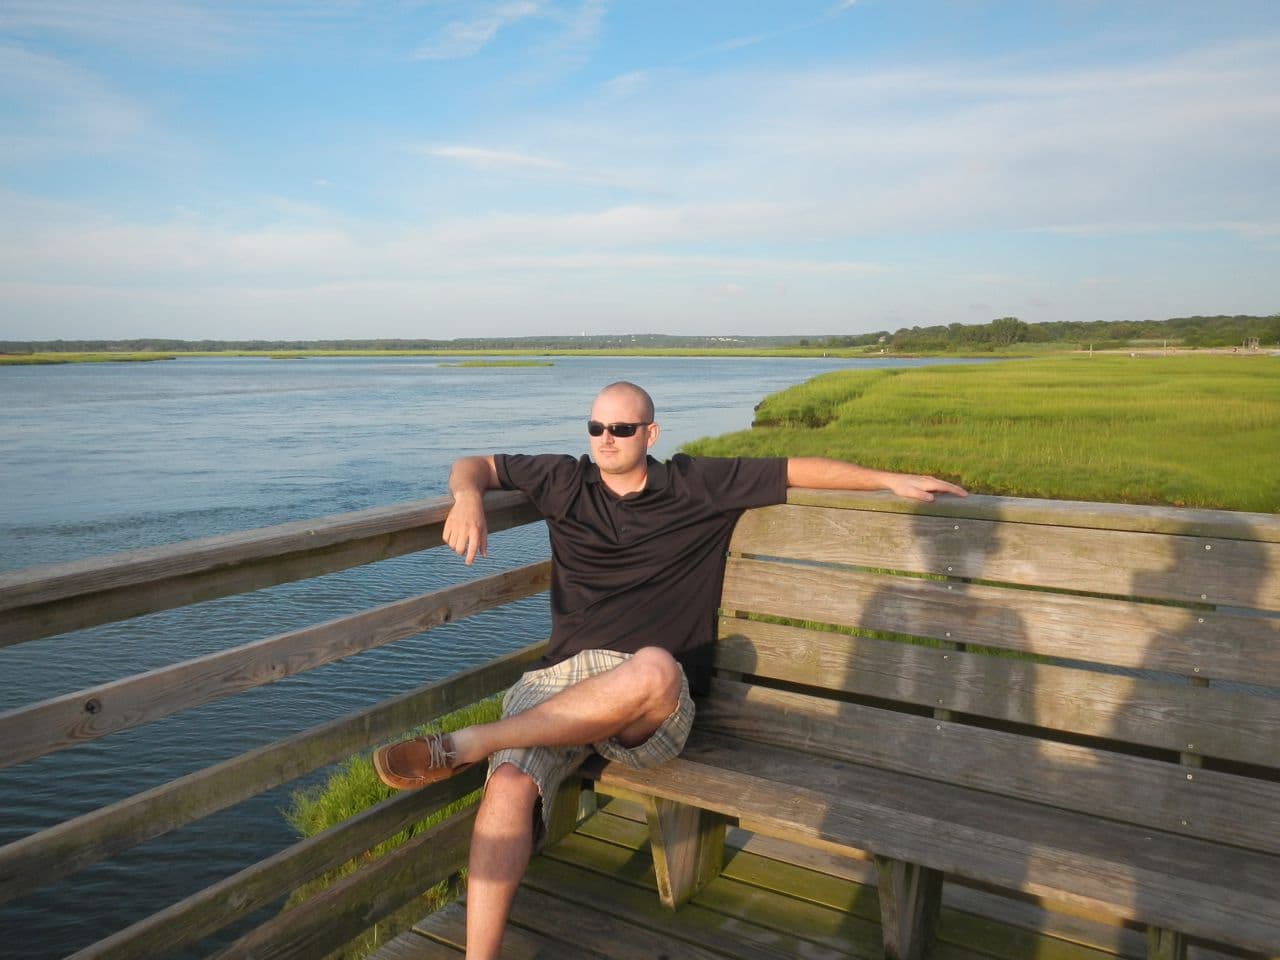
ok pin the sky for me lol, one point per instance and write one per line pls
(315, 169)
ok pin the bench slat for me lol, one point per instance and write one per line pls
(1182, 719)
(1229, 895)
(1200, 803)
(1192, 569)
(1184, 521)
(1204, 643)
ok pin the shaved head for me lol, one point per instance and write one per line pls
(638, 394)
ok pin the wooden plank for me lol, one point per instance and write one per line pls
(1007, 928)
(1212, 644)
(1176, 717)
(48, 600)
(688, 849)
(412, 946)
(222, 903)
(1190, 569)
(38, 859)
(357, 901)
(1185, 521)
(1205, 803)
(563, 814)
(1165, 945)
(757, 915)
(99, 711)
(448, 928)
(910, 903)
(638, 926)
(1220, 893)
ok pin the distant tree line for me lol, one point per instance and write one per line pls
(1217, 331)
(595, 342)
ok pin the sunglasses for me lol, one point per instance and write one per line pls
(596, 428)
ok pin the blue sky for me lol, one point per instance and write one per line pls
(442, 168)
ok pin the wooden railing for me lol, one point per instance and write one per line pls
(50, 600)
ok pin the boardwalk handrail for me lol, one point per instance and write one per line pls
(58, 598)
(48, 600)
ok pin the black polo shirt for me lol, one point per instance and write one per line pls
(645, 569)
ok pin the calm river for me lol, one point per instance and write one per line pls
(99, 458)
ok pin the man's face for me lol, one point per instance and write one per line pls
(621, 454)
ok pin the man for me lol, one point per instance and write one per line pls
(638, 552)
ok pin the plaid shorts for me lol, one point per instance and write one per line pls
(549, 766)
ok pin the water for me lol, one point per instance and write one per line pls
(99, 458)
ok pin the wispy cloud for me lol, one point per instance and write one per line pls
(159, 26)
(464, 38)
(485, 159)
(64, 108)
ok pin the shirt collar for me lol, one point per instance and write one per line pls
(659, 473)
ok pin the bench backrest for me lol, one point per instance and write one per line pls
(1114, 660)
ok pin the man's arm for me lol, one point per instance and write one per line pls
(466, 530)
(826, 474)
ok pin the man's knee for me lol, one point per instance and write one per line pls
(510, 785)
(658, 673)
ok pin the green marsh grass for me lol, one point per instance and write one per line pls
(499, 363)
(1199, 431)
(20, 359)
(352, 788)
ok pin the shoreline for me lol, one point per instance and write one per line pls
(809, 353)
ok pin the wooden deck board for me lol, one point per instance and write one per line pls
(593, 897)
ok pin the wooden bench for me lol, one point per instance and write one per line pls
(1073, 702)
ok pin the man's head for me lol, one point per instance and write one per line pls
(622, 405)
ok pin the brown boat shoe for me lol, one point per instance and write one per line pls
(415, 763)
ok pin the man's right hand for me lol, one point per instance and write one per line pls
(466, 530)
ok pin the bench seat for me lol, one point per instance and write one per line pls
(1220, 893)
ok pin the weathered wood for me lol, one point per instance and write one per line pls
(447, 928)
(355, 902)
(1165, 880)
(1184, 521)
(563, 816)
(1204, 643)
(688, 848)
(1189, 569)
(1172, 716)
(637, 927)
(223, 903)
(804, 876)
(910, 903)
(38, 859)
(1210, 804)
(99, 711)
(48, 600)
(412, 946)
(1165, 944)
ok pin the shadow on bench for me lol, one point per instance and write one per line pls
(1073, 701)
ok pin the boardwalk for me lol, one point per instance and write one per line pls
(593, 895)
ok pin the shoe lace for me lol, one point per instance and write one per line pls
(440, 757)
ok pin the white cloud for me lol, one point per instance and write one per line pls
(487, 159)
(464, 38)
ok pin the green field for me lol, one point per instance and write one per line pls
(1200, 431)
(22, 359)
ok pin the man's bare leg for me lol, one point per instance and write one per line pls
(501, 844)
(628, 702)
